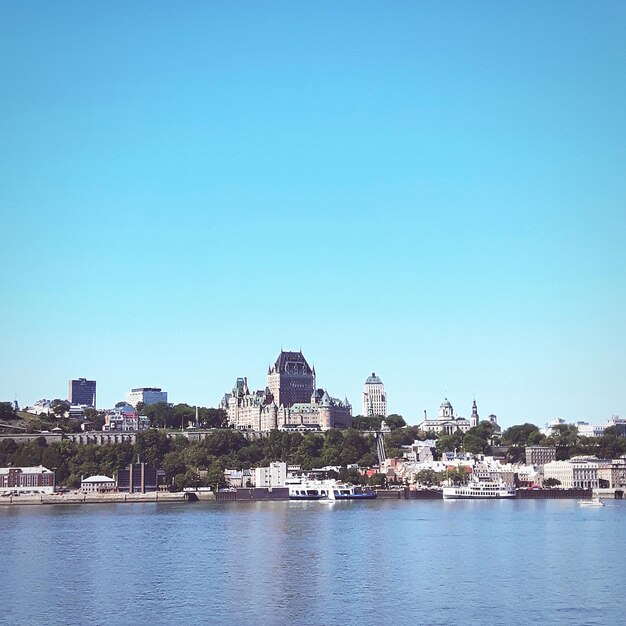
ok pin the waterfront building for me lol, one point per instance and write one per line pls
(528, 475)
(585, 472)
(147, 395)
(137, 478)
(374, 399)
(612, 474)
(273, 476)
(540, 455)
(36, 479)
(97, 484)
(82, 392)
(238, 478)
(563, 471)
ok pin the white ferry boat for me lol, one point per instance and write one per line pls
(328, 490)
(479, 489)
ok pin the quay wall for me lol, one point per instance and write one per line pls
(105, 498)
(393, 494)
(253, 494)
(554, 494)
(426, 494)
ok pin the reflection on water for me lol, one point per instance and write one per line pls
(428, 562)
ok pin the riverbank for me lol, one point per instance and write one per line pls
(107, 498)
(277, 494)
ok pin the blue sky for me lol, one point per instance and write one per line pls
(431, 191)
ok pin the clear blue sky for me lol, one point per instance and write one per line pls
(432, 191)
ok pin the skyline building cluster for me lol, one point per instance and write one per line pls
(290, 401)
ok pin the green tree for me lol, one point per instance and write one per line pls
(213, 418)
(459, 475)
(151, 446)
(7, 413)
(566, 440)
(551, 482)
(367, 422)
(215, 476)
(449, 443)
(395, 421)
(161, 415)
(59, 407)
(475, 445)
(222, 442)
(519, 435)
(377, 480)
(428, 477)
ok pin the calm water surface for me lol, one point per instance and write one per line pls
(382, 562)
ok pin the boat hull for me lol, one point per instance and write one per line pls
(478, 497)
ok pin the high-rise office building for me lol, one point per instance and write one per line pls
(147, 395)
(374, 400)
(82, 392)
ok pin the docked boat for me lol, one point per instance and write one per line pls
(592, 502)
(479, 489)
(328, 490)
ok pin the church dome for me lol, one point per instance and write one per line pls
(446, 403)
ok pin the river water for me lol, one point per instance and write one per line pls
(380, 562)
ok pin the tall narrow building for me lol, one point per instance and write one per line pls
(82, 392)
(475, 418)
(374, 401)
(290, 379)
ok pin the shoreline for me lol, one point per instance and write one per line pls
(106, 498)
(268, 495)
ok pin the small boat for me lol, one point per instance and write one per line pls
(592, 502)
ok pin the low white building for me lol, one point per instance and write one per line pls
(563, 471)
(273, 476)
(585, 472)
(41, 407)
(97, 484)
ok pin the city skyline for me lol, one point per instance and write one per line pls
(432, 193)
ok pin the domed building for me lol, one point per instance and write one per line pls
(446, 423)
(374, 399)
(446, 411)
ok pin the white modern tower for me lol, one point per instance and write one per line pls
(374, 400)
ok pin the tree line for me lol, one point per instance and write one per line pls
(202, 463)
